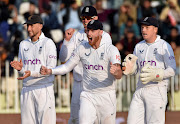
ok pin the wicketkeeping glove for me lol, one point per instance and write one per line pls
(149, 74)
(130, 64)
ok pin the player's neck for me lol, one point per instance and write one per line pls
(152, 40)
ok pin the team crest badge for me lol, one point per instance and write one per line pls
(145, 19)
(155, 51)
(102, 56)
(40, 49)
(87, 9)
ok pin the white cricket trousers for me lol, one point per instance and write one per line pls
(148, 106)
(38, 105)
(99, 107)
(75, 103)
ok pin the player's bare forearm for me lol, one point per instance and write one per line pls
(27, 74)
(116, 71)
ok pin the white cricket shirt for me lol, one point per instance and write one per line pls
(159, 55)
(33, 55)
(95, 64)
(68, 47)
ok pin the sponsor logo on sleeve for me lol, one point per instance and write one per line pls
(118, 57)
(52, 57)
(171, 58)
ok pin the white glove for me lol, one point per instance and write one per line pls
(130, 64)
(149, 74)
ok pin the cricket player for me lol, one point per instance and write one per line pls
(71, 42)
(37, 94)
(98, 98)
(153, 59)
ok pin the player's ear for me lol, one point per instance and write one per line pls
(156, 29)
(101, 32)
(40, 26)
(96, 18)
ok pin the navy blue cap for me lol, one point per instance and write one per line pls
(150, 21)
(33, 19)
(89, 11)
(95, 25)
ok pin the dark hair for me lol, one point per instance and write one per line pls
(130, 19)
(174, 28)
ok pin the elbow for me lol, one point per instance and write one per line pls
(174, 72)
(62, 59)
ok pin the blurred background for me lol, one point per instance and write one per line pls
(120, 18)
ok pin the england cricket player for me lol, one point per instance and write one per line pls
(71, 42)
(98, 98)
(37, 94)
(153, 58)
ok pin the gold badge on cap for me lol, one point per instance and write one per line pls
(29, 18)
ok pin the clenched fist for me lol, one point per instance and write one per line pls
(69, 33)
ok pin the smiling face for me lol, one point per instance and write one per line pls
(94, 37)
(149, 33)
(34, 31)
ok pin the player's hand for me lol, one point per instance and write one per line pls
(149, 74)
(27, 74)
(45, 71)
(129, 64)
(17, 65)
(69, 33)
(115, 70)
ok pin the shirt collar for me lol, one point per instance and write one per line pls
(102, 41)
(157, 39)
(40, 37)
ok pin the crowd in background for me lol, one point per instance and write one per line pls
(120, 18)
